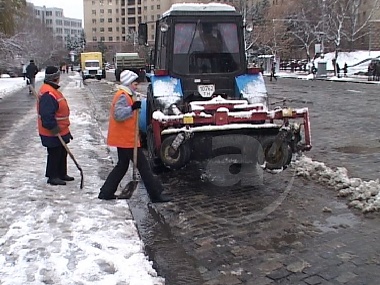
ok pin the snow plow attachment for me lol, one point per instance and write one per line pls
(174, 140)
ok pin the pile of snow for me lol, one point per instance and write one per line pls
(363, 195)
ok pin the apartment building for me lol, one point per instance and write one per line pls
(115, 22)
(57, 23)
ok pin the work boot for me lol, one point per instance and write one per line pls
(56, 181)
(162, 198)
(108, 197)
(67, 178)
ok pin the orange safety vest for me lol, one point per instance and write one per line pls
(62, 114)
(122, 134)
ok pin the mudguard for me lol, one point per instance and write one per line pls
(142, 116)
(252, 87)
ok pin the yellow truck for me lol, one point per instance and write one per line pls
(92, 65)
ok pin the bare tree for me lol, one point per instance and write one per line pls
(357, 23)
(9, 10)
(305, 24)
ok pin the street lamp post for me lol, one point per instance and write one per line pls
(323, 27)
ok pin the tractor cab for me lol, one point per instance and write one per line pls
(201, 90)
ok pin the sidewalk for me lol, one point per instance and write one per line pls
(330, 77)
(62, 234)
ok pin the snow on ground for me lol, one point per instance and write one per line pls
(9, 85)
(356, 61)
(363, 195)
(62, 234)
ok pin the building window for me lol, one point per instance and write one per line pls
(94, 39)
(93, 12)
(110, 29)
(117, 20)
(101, 11)
(152, 7)
(109, 2)
(152, 37)
(117, 38)
(131, 2)
(94, 21)
(117, 11)
(110, 39)
(101, 2)
(158, 7)
(102, 29)
(117, 29)
(131, 11)
(93, 2)
(131, 21)
(152, 17)
(109, 20)
(101, 20)
(102, 39)
(158, 16)
(94, 30)
(145, 8)
(109, 11)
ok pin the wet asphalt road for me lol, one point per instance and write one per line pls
(219, 235)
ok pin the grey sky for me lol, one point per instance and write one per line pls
(71, 8)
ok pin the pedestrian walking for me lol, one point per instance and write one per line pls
(31, 72)
(273, 71)
(338, 69)
(314, 70)
(121, 134)
(23, 66)
(345, 69)
(53, 119)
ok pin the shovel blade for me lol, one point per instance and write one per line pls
(128, 190)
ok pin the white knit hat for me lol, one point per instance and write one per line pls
(127, 77)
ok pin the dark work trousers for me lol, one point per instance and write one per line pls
(56, 166)
(152, 184)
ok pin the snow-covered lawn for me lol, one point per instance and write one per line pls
(8, 85)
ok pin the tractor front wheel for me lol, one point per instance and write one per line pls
(280, 158)
(179, 158)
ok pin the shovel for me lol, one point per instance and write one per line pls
(65, 146)
(130, 188)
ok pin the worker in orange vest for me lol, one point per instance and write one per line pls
(53, 119)
(121, 134)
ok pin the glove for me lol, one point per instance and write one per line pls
(55, 131)
(136, 105)
(71, 137)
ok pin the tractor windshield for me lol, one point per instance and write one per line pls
(205, 47)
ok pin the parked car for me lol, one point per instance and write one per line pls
(12, 71)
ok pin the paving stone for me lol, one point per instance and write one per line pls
(278, 274)
(298, 266)
(270, 266)
(313, 280)
(346, 277)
